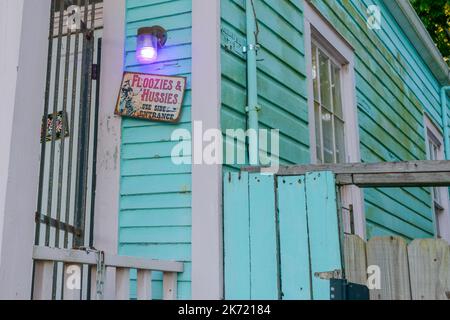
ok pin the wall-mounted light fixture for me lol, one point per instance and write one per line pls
(149, 41)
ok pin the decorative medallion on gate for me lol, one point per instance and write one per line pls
(60, 125)
(151, 97)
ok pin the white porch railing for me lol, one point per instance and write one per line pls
(45, 259)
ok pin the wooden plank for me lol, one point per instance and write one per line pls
(355, 259)
(72, 281)
(43, 280)
(362, 168)
(82, 257)
(236, 236)
(122, 284)
(170, 285)
(294, 246)
(264, 271)
(391, 180)
(144, 285)
(390, 255)
(323, 229)
(371, 175)
(429, 267)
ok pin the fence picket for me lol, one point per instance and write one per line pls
(355, 259)
(429, 269)
(390, 255)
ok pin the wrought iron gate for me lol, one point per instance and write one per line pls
(65, 208)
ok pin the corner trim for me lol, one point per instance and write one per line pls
(207, 246)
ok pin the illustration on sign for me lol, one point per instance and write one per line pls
(151, 97)
(60, 126)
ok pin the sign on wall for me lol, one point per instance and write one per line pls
(151, 97)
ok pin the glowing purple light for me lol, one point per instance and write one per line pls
(149, 40)
(147, 55)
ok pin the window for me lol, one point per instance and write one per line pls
(439, 195)
(328, 114)
(334, 133)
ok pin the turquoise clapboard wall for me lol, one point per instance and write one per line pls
(394, 87)
(281, 74)
(278, 232)
(155, 194)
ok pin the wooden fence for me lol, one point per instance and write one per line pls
(418, 271)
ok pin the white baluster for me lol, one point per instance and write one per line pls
(144, 285)
(170, 285)
(43, 280)
(122, 284)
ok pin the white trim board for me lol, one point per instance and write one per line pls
(444, 217)
(106, 217)
(21, 152)
(207, 251)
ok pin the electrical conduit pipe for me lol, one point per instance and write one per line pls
(252, 86)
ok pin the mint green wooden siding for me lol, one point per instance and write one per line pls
(394, 87)
(155, 202)
(281, 74)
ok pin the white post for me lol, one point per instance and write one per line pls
(144, 285)
(43, 280)
(170, 285)
(108, 151)
(207, 253)
(24, 28)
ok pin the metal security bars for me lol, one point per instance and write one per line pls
(65, 207)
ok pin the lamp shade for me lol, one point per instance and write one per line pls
(149, 41)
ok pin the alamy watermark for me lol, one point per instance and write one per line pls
(373, 277)
(73, 277)
(214, 147)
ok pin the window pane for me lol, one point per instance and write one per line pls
(314, 73)
(327, 132)
(318, 132)
(340, 142)
(325, 86)
(336, 86)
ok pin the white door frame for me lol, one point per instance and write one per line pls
(23, 69)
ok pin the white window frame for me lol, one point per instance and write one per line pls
(319, 30)
(442, 219)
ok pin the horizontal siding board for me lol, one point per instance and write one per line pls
(155, 217)
(155, 235)
(151, 150)
(155, 184)
(156, 166)
(179, 252)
